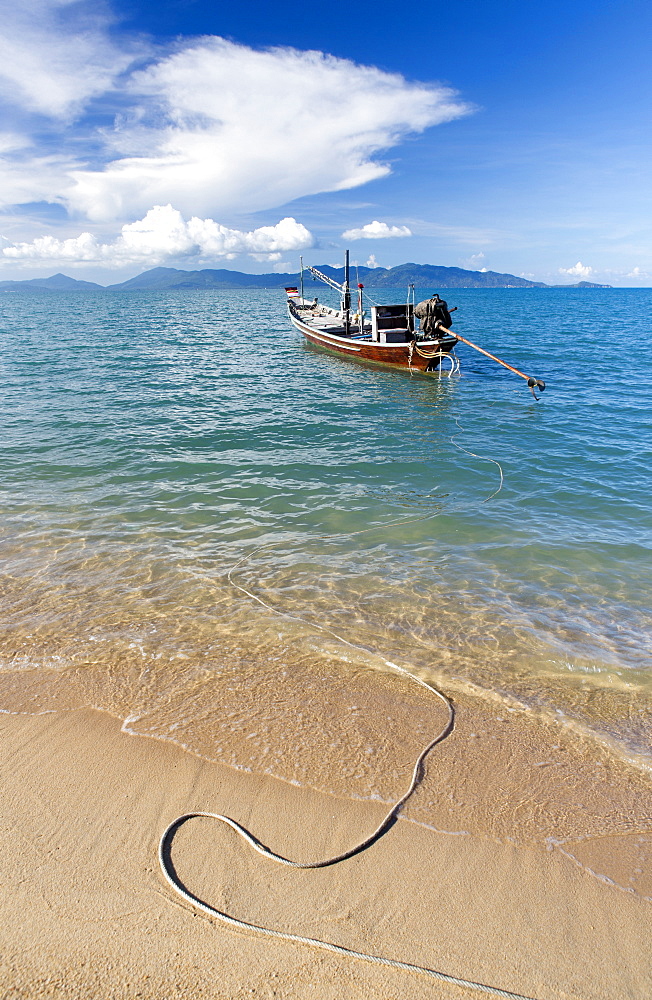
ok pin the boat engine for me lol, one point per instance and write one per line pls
(431, 312)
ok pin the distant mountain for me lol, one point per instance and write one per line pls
(173, 279)
(379, 277)
(445, 277)
(422, 275)
(55, 283)
(581, 284)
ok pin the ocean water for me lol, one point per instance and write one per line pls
(222, 535)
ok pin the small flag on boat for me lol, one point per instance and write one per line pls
(292, 291)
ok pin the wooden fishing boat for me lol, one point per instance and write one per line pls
(386, 334)
(408, 335)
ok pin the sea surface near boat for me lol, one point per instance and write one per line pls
(165, 456)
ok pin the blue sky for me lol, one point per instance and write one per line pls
(507, 136)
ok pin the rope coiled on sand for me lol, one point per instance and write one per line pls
(167, 868)
(165, 844)
(211, 911)
(164, 855)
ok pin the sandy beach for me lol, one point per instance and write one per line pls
(87, 913)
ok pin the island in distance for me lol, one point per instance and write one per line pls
(173, 279)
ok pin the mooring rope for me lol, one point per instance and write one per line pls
(165, 844)
(362, 845)
(482, 459)
(211, 911)
(427, 354)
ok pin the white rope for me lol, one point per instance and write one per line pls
(362, 845)
(165, 844)
(211, 911)
(482, 459)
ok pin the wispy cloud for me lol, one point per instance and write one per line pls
(235, 128)
(376, 231)
(164, 234)
(213, 127)
(103, 125)
(466, 235)
(55, 55)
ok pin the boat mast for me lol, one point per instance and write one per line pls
(346, 296)
(301, 268)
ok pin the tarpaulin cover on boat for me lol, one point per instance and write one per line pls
(432, 311)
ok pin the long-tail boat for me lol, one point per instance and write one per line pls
(388, 334)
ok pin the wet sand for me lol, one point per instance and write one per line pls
(87, 913)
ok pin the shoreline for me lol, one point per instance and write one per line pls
(506, 772)
(86, 911)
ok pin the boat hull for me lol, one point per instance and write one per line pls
(396, 355)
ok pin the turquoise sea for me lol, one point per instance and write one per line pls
(192, 501)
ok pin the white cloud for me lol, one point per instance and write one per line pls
(214, 128)
(222, 127)
(372, 262)
(163, 234)
(578, 270)
(56, 54)
(376, 231)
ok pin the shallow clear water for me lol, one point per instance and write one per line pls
(169, 457)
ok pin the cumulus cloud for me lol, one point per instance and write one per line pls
(578, 270)
(57, 54)
(376, 231)
(162, 234)
(372, 262)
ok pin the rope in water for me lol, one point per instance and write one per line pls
(165, 844)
